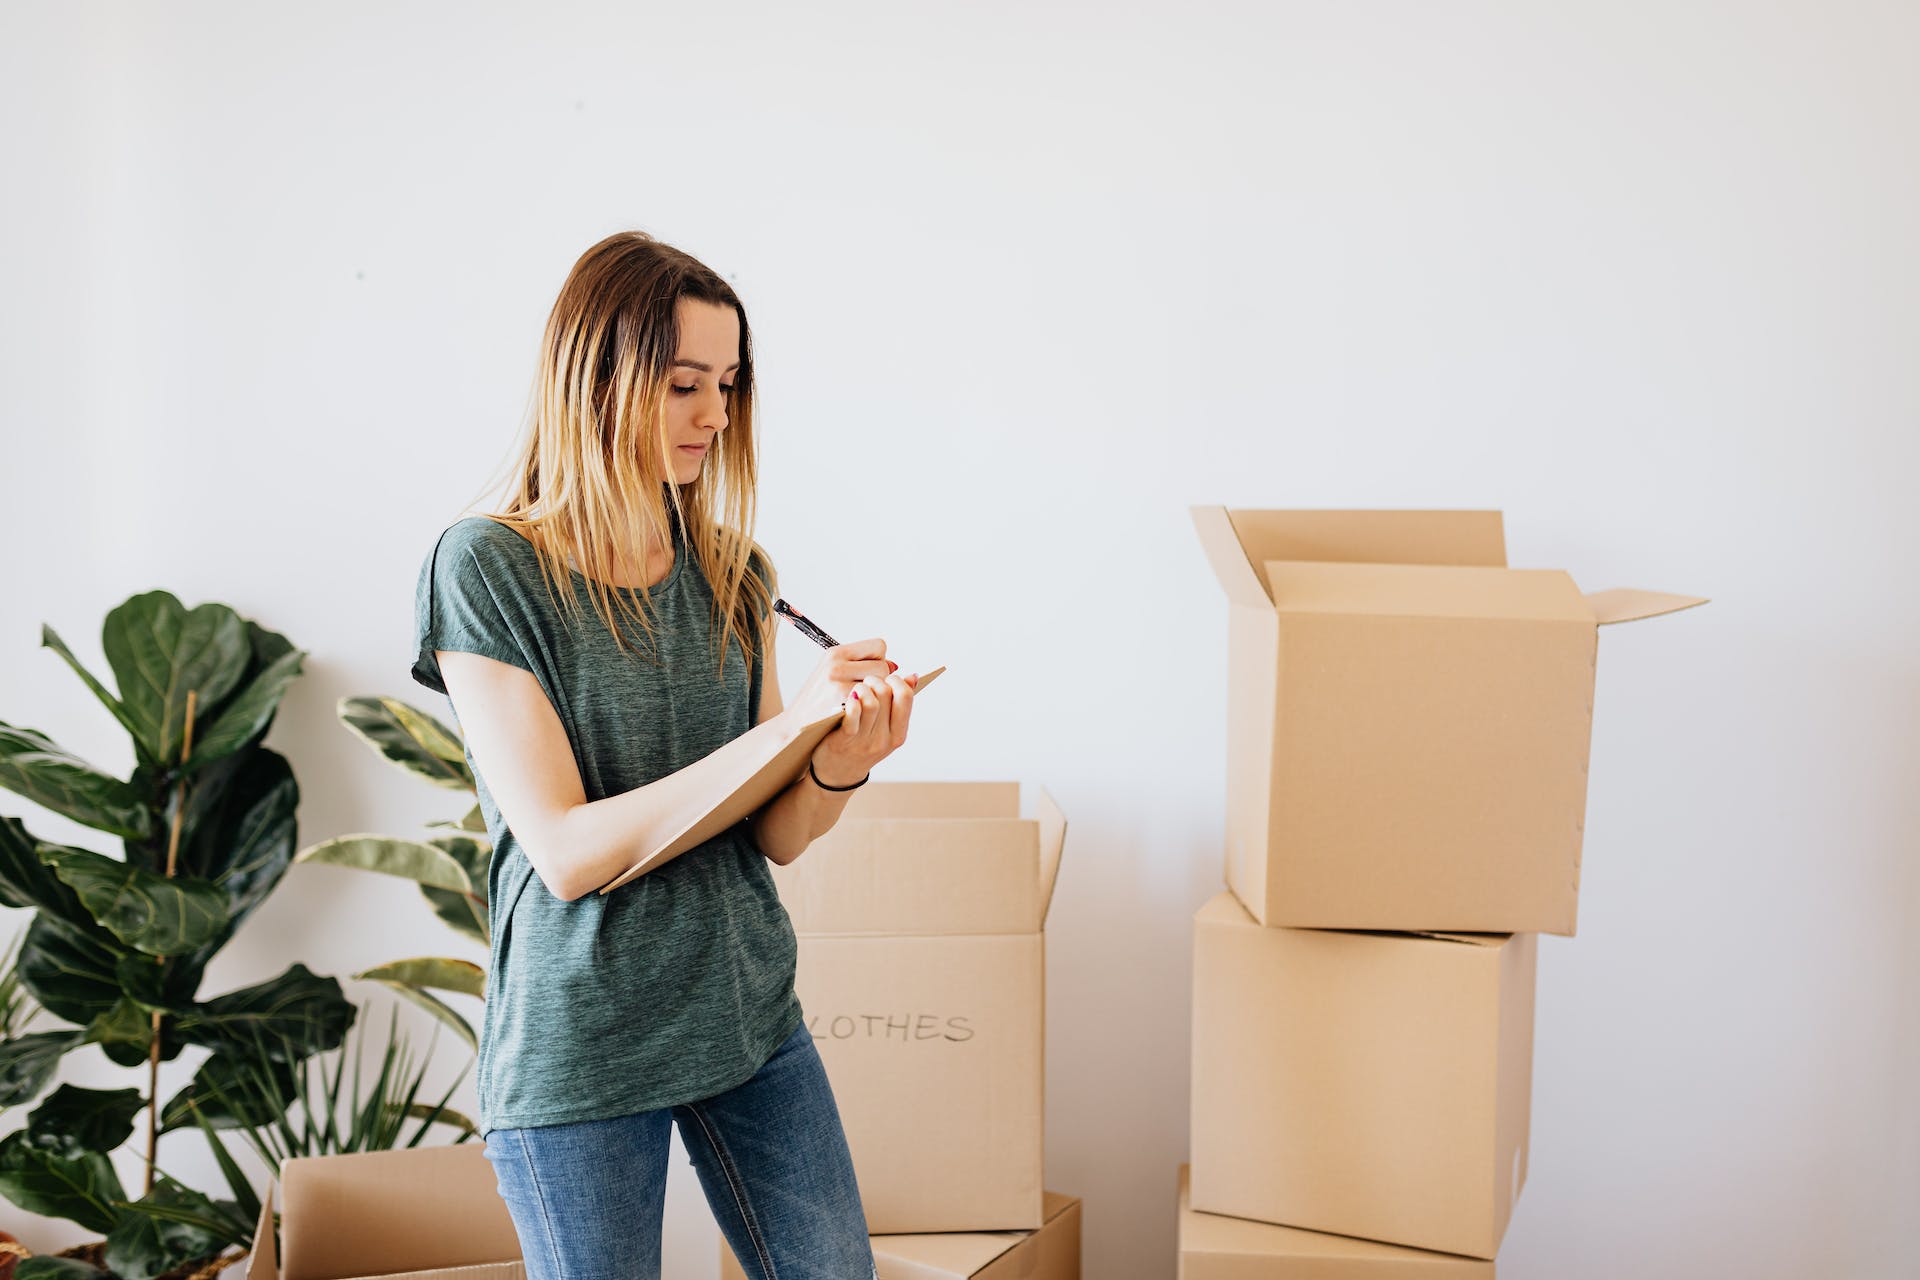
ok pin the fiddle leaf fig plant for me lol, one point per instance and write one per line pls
(451, 870)
(118, 944)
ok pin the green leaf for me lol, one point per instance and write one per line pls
(247, 716)
(239, 833)
(233, 1089)
(474, 822)
(32, 765)
(156, 982)
(70, 972)
(433, 1113)
(160, 915)
(243, 1193)
(26, 881)
(169, 1225)
(466, 912)
(80, 1188)
(244, 840)
(28, 1062)
(441, 972)
(411, 738)
(124, 1032)
(296, 1014)
(159, 650)
(49, 639)
(439, 1009)
(74, 1120)
(425, 863)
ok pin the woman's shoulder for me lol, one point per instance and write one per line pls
(486, 536)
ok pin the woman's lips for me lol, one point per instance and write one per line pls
(693, 448)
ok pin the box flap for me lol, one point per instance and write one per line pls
(920, 858)
(1626, 604)
(263, 1262)
(958, 1254)
(1053, 838)
(372, 1213)
(1429, 591)
(1429, 536)
(1228, 558)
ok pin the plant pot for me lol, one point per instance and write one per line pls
(94, 1252)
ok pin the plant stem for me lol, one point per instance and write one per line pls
(173, 855)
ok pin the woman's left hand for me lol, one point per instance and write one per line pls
(874, 727)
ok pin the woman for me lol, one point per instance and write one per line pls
(595, 733)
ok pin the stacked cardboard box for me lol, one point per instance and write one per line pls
(921, 919)
(1408, 729)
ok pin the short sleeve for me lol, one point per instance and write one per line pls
(456, 607)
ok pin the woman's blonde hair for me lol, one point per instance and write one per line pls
(594, 471)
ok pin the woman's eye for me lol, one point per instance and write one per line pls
(686, 391)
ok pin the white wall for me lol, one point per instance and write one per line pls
(1027, 280)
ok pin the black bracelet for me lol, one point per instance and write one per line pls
(824, 787)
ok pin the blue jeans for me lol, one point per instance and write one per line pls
(587, 1198)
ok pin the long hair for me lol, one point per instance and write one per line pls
(594, 472)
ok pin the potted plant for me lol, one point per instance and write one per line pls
(450, 869)
(118, 945)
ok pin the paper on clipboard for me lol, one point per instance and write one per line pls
(756, 789)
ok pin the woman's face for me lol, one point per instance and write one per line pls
(702, 375)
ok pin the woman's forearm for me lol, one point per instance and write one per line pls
(599, 839)
(794, 819)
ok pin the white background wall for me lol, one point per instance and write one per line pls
(1027, 280)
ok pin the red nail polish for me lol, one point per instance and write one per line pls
(892, 666)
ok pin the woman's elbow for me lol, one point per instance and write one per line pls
(769, 845)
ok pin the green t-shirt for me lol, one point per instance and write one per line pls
(679, 984)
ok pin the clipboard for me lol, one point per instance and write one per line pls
(761, 784)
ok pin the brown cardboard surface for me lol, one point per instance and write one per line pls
(930, 857)
(427, 1213)
(934, 1046)
(1364, 1084)
(1050, 1253)
(1213, 1247)
(1408, 719)
(755, 787)
(922, 977)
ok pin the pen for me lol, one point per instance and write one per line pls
(814, 633)
(806, 626)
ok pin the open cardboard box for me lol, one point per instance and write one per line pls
(1050, 1253)
(1367, 1084)
(1408, 719)
(921, 973)
(423, 1213)
(1213, 1247)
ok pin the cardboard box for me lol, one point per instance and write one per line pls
(425, 1213)
(1050, 1253)
(1367, 1084)
(1213, 1247)
(922, 977)
(1408, 719)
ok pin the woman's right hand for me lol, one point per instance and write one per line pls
(840, 669)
